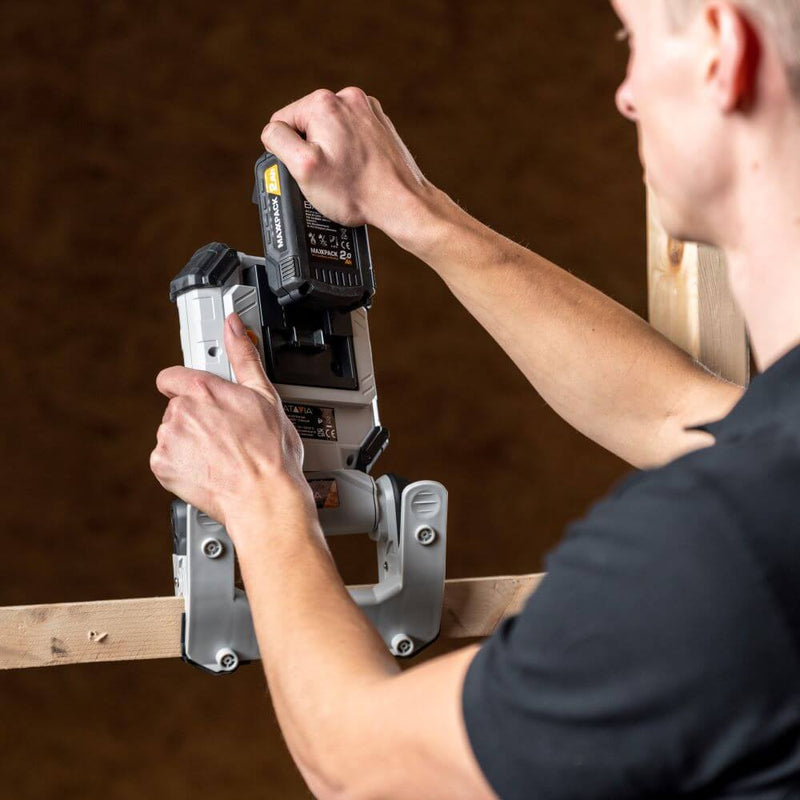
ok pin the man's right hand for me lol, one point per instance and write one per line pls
(348, 159)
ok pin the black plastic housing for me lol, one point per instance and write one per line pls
(310, 259)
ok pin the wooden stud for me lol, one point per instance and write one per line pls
(132, 630)
(691, 304)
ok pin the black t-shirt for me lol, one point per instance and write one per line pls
(660, 657)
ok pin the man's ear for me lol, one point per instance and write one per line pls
(734, 55)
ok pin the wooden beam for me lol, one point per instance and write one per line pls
(691, 304)
(105, 630)
(131, 630)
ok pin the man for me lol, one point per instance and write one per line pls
(661, 655)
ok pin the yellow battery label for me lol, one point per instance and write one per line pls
(272, 180)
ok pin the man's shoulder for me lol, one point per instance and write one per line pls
(756, 475)
(666, 540)
(746, 485)
(664, 626)
(718, 527)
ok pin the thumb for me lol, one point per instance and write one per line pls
(244, 358)
(287, 144)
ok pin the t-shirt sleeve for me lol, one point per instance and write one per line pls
(630, 672)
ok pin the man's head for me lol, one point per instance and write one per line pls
(779, 19)
(714, 88)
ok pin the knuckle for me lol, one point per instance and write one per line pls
(169, 411)
(201, 384)
(326, 99)
(354, 94)
(175, 408)
(163, 433)
(377, 110)
(309, 163)
(156, 461)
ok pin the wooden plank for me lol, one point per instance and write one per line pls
(106, 630)
(132, 630)
(474, 607)
(691, 304)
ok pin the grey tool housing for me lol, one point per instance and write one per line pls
(332, 400)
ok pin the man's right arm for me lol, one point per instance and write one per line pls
(602, 368)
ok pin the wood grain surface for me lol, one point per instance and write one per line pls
(145, 628)
(690, 302)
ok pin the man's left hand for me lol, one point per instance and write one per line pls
(226, 447)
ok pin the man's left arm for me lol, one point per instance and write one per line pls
(355, 725)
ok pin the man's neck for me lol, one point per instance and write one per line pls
(763, 253)
(766, 283)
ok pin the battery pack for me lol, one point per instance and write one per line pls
(310, 258)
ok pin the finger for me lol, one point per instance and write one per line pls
(244, 357)
(172, 409)
(297, 115)
(354, 95)
(283, 141)
(377, 108)
(176, 381)
(377, 112)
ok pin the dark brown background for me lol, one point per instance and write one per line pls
(129, 137)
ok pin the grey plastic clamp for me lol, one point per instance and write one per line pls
(405, 605)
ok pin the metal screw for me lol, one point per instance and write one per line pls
(212, 548)
(227, 659)
(402, 645)
(425, 535)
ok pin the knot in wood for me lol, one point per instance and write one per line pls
(675, 251)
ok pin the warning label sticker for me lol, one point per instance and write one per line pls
(326, 239)
(326, 492)
(312, 422)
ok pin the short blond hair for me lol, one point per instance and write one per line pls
(779, 19)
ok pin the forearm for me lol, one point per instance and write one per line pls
(602, 368)
(320, 655)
